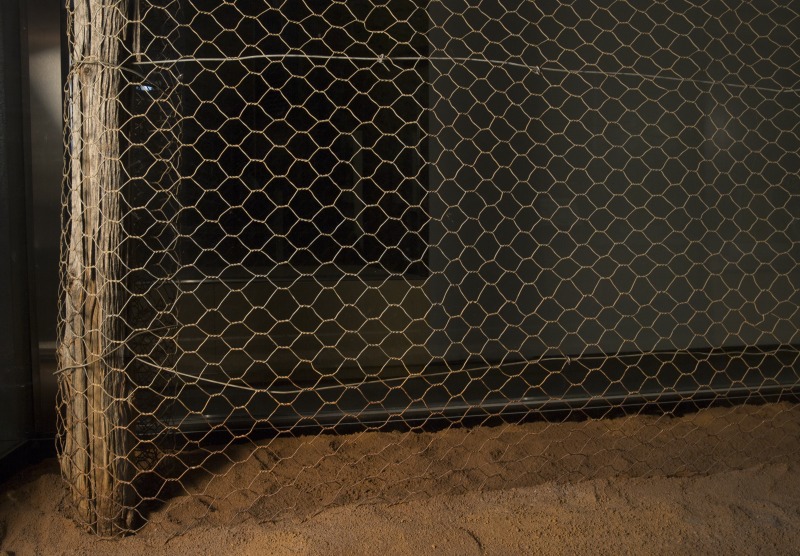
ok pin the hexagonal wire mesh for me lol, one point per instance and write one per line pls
(287, 218)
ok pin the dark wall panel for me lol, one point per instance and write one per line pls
(16, 392)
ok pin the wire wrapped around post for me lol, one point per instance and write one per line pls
(93, 434)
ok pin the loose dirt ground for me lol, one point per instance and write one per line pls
(721, 481)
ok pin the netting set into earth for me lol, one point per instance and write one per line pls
(295, 226)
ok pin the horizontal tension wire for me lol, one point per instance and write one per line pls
(536, 70)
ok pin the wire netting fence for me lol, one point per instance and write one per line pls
(529, 222)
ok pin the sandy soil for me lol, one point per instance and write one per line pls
(719, 481)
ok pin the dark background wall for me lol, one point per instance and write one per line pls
(16, 377)
(44, 44)
(650, 214)
(31, 161)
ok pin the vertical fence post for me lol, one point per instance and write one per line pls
(94, 438)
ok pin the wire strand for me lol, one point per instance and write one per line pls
(374, 59)
(535, 69)
(449, 372)
(652, 77)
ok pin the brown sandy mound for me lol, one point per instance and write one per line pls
(484, 490)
